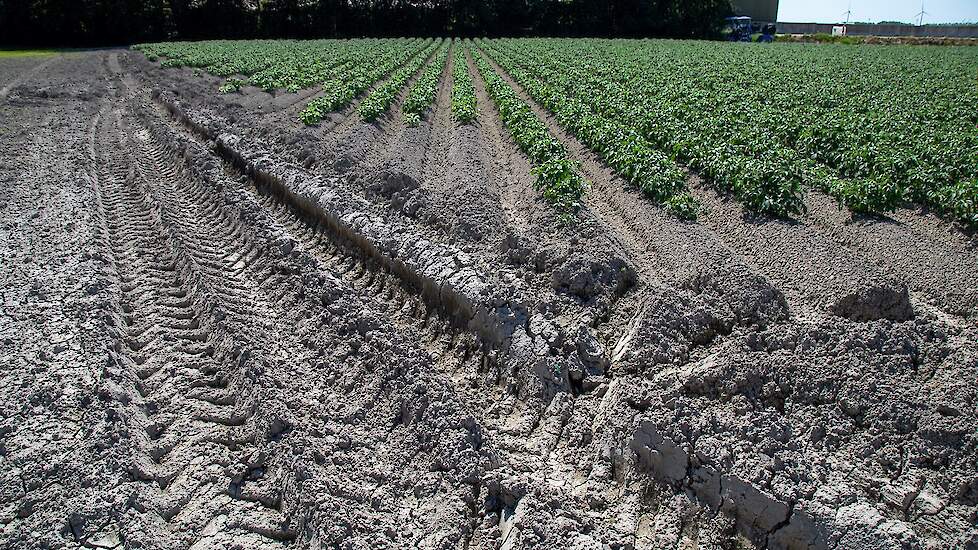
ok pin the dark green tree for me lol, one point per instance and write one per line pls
(114, 22)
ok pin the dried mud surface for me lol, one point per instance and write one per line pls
(224, 329)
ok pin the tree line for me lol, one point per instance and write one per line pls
(86, 23)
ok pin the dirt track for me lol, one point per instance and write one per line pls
(224, 329)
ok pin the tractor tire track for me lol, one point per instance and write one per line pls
(215, 301)
(474, 372)
(193, 401)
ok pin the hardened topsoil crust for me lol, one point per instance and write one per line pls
(225, 329)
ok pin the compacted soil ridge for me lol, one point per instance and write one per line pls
(353, 225)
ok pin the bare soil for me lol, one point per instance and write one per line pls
(224, 329)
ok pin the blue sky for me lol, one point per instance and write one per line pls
(833, 11)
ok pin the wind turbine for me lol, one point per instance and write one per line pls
(920, 16)
(848, 13)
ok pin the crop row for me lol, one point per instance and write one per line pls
(556, 175)
(268, 64)
(225, 57)
(903, 120)
(876, 128)
(300, 70)
(383, 96)
(614, 140)
(745, 167)
(341, 90)
(463, 93)
(425, 89)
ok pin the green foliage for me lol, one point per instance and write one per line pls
(268, 64)
(866, 196)
(412, 119)
(359, 76)
(559, 182)
(5, 54)
(231, 85)
(613, 139)
(876, 128)
(556, 175)
(959, 201)
(384, 95)
(463, 93)
(683, 206)
(835, 39)
(313, 113)
(344, 68)
(425, 89)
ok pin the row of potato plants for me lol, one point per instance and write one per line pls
(904, 119)
(221, 57)
(343, 88)
(381, 98)
(425, 89)
(268, 64)
(702, 97)
(300, 70)
(861, 119)
(777, 107)
(877, 128)
(463, 92)
(894, 125)
(746, 167)
(615, 141)
(557, 176)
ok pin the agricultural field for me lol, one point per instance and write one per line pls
(894, 127)
(490, 293)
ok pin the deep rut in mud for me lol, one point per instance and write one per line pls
(206, 260)
(186, 313)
